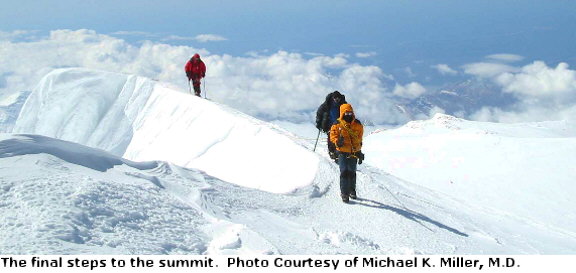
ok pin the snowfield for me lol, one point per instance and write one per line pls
(104, 163)
(526, 170)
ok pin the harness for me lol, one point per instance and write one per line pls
(353, 137)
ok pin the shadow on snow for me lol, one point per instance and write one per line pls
(411, 215)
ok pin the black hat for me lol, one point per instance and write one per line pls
(337, 94)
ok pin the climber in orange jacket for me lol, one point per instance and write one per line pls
(346, 133)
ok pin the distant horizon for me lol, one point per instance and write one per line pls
(261, 50)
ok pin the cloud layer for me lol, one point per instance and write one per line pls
(283, 85)
(543, 92)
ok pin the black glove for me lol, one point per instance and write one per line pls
(340, 141)
(360, 156)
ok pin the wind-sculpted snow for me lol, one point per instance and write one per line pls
(143, 120)
(71, 152)
(59, 197)
(55, 199)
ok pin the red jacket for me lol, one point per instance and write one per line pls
(195, 68)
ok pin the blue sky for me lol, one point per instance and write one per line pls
(370, 49)
(400, 34)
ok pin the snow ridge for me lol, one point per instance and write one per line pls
(142, 120)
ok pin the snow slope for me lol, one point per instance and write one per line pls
(140, 119)
(73, 199)
(525, 169)
(134, 191)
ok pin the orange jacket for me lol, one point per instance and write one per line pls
(352, 132)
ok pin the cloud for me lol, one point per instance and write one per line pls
(409, 91)
(533, 81)
(177, 38)
(366, 54)
(525, 113)
(505, 57)
(134, 33)
(18, 35)
(279, 85)
(539, 80)
(543, 93)
(408, 71)
(203, 38)
(487, 70)
(444, 69)
(209, 38)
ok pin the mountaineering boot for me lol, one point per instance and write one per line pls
(353, 194)
(345, 198)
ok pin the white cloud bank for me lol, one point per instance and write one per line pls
(539, 80)
(543, 92)
(283, 85)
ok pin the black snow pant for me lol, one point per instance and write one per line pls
(196, 85)
(347, 166)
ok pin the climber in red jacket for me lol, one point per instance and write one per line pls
(195, 70)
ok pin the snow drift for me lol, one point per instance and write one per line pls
(140, 119)
(59, 197)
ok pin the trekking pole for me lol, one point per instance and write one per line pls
(324, 119)
(189, 87)
(317, 137)
(205, 92)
